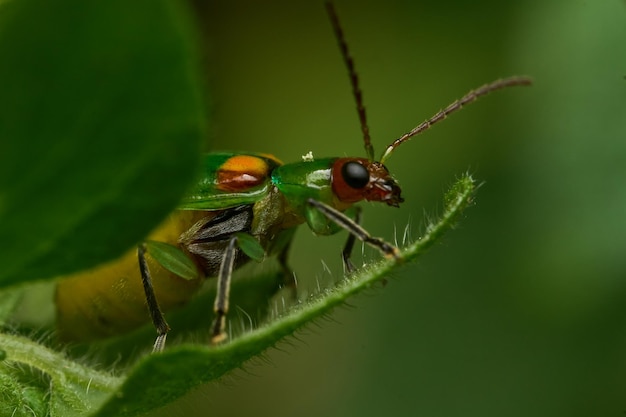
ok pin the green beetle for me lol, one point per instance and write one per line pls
(243, 206)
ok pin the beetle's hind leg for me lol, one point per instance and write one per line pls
(156, 314)
(220, 307)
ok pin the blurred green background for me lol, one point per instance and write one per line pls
(521, 311)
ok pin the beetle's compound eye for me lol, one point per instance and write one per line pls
(351, 178)
(355, 174)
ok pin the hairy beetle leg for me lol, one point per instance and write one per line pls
(220, 307)
(288, 276)
(348, 266)
(156, 314)
(387, 249)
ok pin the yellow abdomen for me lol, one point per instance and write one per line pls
(109, 299)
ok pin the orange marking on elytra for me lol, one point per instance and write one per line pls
(241, 172)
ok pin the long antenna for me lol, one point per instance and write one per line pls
(457, 105)
(354, 79)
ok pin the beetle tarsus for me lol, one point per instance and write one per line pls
(218, 335)
(159, 343)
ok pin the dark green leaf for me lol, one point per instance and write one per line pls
(100, 123)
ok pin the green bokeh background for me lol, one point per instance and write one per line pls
(521, 311)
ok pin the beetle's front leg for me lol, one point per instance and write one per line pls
(354, 229)
(153, 305)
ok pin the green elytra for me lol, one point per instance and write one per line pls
(236, 212)
(295, 182)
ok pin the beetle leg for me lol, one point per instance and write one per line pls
(220, 307)
(353, 227)
(288, 277)
(153, 305)
(348, 266)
